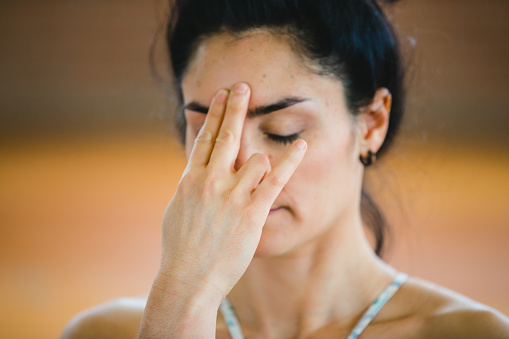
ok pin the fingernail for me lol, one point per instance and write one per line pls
(240, 88)
(301, 144)
(221, 96)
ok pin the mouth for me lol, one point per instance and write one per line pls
(276, 209)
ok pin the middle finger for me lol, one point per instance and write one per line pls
(227, 143)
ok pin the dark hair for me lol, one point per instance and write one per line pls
(351, 40)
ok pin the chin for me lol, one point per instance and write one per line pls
(265, 250)
(275, 241)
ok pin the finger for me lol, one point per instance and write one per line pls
(267, 192)
(204, 142)
(253, 170)
(227, 142)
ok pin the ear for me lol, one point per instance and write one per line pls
(375, 121)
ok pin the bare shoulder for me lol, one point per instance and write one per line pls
(119, 318)
(438, 312)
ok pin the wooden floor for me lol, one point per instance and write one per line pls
(81, 223)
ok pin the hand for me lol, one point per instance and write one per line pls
(213, 224)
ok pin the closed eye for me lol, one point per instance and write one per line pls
(283, 139)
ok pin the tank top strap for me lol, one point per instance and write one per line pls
(233, 325)
(377, 305)
(230, 319)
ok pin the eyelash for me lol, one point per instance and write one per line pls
(283, 139)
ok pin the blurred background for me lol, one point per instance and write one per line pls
(88, 163)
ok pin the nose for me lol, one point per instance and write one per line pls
(248, 147)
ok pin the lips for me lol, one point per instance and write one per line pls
(275, 209)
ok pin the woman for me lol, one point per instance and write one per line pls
(284, 105)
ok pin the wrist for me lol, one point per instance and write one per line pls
(180, 310)
(193, 288)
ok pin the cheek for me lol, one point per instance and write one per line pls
(324, 169)
(329, 157)
(325, 176)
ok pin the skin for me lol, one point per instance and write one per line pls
(277, 227)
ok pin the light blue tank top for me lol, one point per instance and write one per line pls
(236, 333)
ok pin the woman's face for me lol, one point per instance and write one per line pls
(324, 191)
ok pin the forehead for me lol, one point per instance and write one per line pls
(265, 61)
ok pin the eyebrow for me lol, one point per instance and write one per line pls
(257, 111)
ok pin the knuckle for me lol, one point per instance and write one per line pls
(225, 136)
(236, 195)
(276, 180)
(211, 185)
(204, 136)
(251, 212)
(263, 161)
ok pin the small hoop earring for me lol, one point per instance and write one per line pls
(368, 159)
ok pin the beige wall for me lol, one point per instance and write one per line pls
(87, 166)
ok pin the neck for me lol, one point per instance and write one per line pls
(331, 280)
